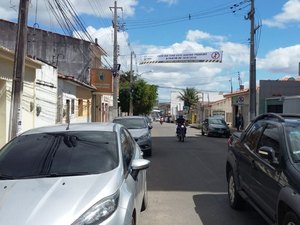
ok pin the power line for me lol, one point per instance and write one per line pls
(212, 12)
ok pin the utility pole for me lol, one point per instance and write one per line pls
(252, 73)
(115, 61)
(130, 87)
(18, 71)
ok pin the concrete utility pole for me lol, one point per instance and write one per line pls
(18, 71)
(115, 61)
(130, 87)
(252, 73)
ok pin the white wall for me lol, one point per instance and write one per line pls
(46, 96)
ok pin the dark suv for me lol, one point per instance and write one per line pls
(263, 168)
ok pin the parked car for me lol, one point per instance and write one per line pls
(140, 129)
(215, 126)
(263, 168)
(89, 173)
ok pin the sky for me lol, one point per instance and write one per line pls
(184, 26)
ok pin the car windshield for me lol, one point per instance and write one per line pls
(216, 121)
(293, 137)
(132, 123)
(59, 154)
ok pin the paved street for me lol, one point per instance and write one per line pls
(186, 182)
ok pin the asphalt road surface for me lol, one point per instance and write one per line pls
(187, 184)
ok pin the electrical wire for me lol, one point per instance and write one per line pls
(220, 10)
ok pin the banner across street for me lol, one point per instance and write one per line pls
(215, 56)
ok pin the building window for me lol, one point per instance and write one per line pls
(275, 108)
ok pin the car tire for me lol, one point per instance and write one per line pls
(291, 218)
(235, 200)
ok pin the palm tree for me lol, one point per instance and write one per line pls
(190, 97)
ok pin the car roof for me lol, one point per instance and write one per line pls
(279, 117)
(130, 117)
(93, 126)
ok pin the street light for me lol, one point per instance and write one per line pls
(130, 91)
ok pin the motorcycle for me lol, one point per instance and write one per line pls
(181, 132)
(161, 121)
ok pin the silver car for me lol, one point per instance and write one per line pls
(140, 129)
(88, 173)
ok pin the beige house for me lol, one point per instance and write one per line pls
(48, 97)
(28, 98)
(74, 100)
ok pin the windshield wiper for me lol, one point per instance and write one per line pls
(54, 175)
(64, 174)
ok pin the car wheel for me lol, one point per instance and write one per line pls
(291, 218)
(235, 200)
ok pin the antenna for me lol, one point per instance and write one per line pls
(240, 79)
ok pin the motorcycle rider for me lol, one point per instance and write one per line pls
(180, 121)
(161, 120)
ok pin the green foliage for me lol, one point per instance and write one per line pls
(189, 96)
(144, 95)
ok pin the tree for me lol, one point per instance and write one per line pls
(190, 97)
(144, 95)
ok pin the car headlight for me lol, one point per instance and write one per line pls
(100, 211)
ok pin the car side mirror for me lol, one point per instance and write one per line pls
(137, 165)
(268, 153)
(150, 126)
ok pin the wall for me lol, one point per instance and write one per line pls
(84, 96)
(291, 105)
(67, 91)
(70, 55)
(46, 96)
(3, 110)
(276, 88)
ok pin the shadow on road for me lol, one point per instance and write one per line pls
(186, 166)
(213, 208)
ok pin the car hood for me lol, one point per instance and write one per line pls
(53, 201)
(218, 126)
(136, 133)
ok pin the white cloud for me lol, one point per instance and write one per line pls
(169, 2)
(282, 60)
(100, 9)
(290, 13)
(202, 76)
(194, 35)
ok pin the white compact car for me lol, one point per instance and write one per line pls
(88, 173)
